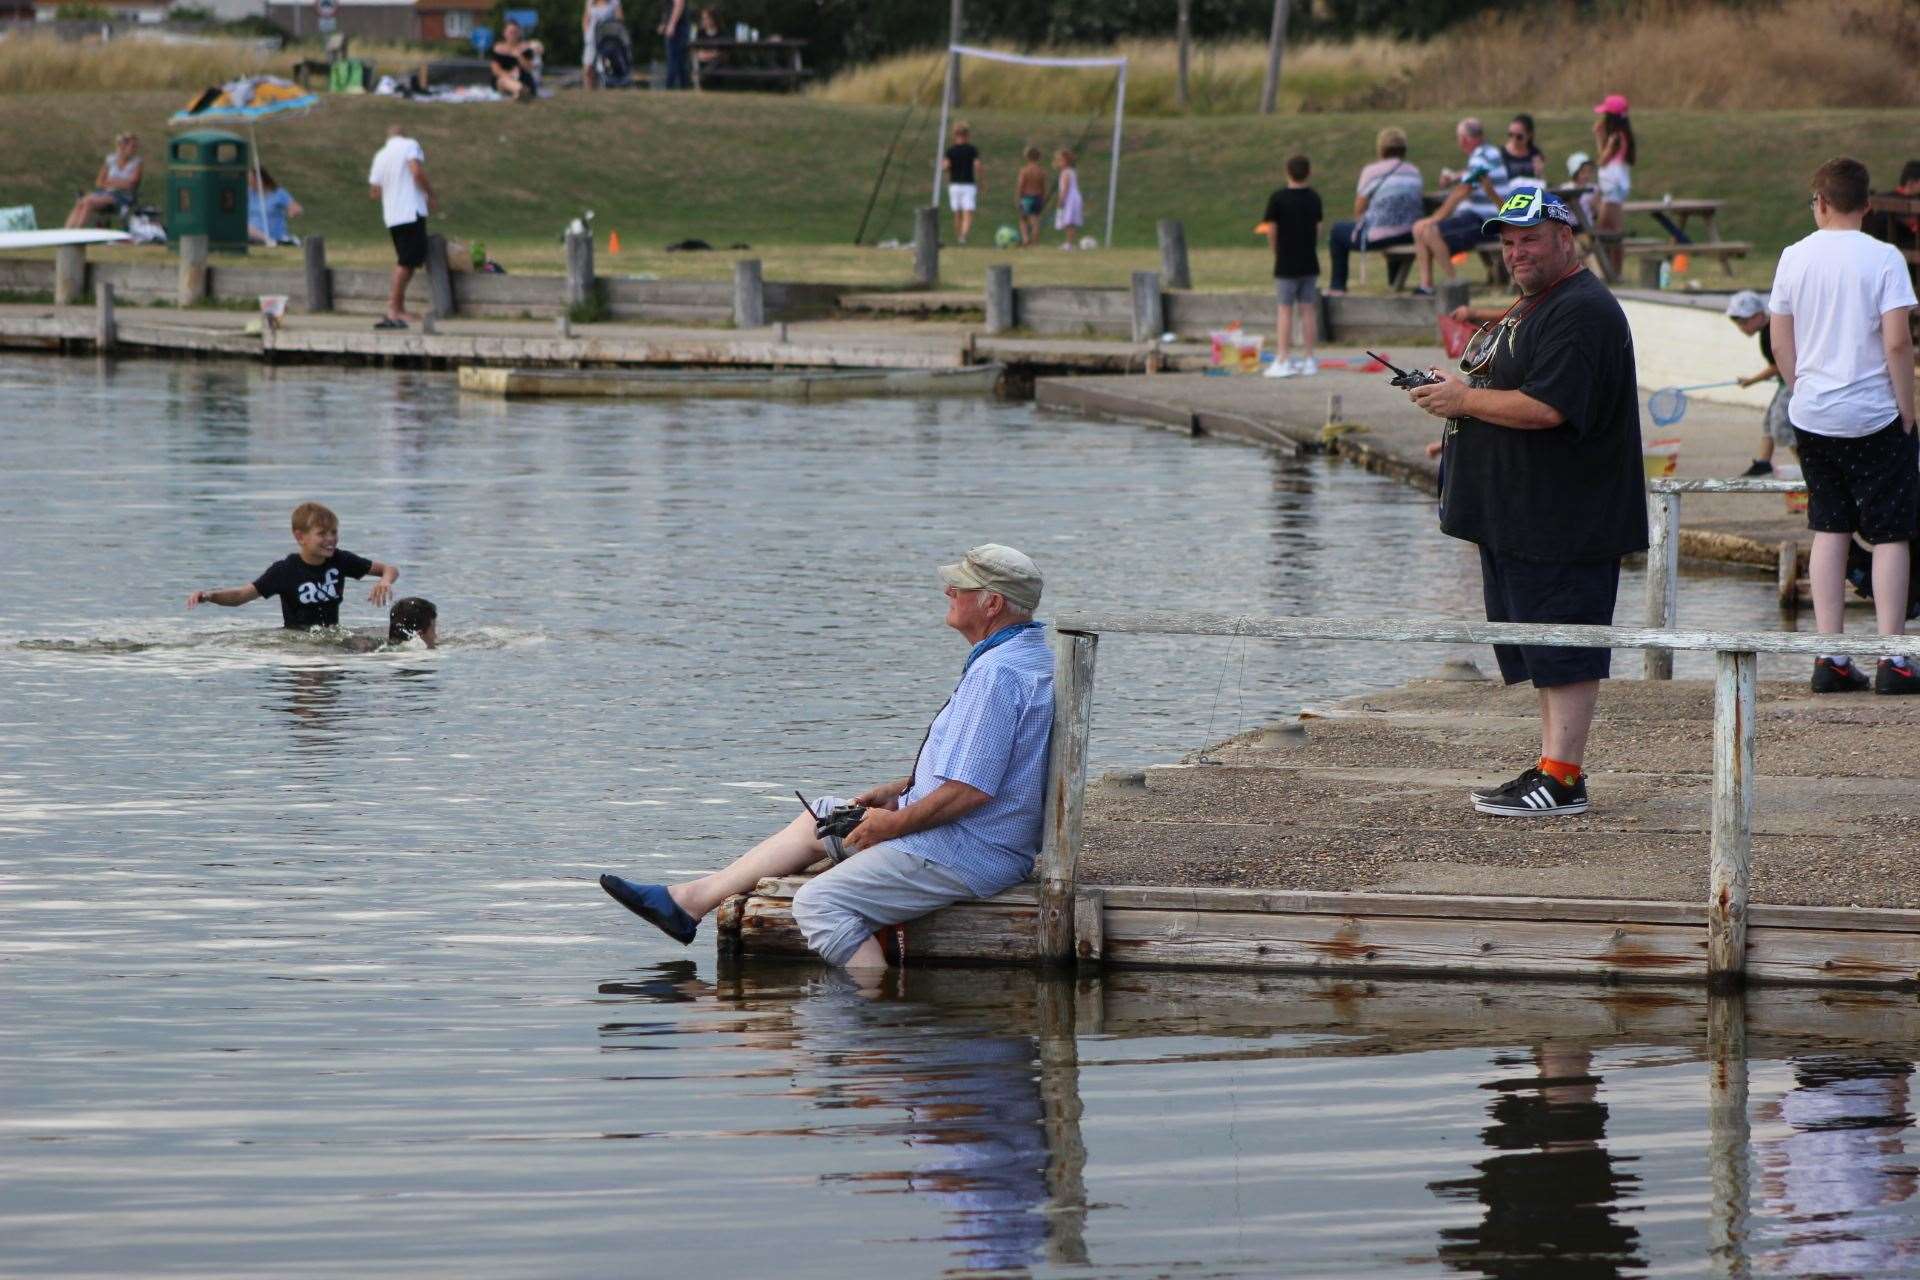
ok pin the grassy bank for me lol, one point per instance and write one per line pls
(1660, 53)
(785, 175)
(33, 64)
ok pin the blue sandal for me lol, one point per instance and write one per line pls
(652, 903)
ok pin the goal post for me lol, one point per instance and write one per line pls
(959, 51)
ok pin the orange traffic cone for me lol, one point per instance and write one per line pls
(613, 242)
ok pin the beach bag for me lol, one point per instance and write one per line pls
(18, 218)
(1455, 334)
(349, 75)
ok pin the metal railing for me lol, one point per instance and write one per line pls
(1663, 550)
(1735, 652)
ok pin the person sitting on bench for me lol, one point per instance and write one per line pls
(114, 187)
(1455, 226)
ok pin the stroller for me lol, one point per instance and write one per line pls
(612, 53)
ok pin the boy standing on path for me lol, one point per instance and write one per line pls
(1840, 337)
(963, 166)
(310, 581)
(1293, 229)
(398, 180)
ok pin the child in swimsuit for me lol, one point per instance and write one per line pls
(1031, 188)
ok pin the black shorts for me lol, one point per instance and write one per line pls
(1551, 591)
(1869, 485)
(410, 243)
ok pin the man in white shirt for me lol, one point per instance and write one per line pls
(1840, 338)
(398, 180)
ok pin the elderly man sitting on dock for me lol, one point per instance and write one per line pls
(965, 823)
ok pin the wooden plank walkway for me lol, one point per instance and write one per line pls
(1345, 844)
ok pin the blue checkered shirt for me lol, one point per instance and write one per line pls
(992, 736)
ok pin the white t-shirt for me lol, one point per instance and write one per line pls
(401, 199)
(1836, 285)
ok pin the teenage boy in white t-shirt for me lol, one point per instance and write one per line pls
(1840, 338)
(398, 180)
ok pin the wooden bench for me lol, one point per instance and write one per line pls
(1651, 253)
(1400, 263)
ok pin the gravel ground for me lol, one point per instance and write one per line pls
(1371, 795)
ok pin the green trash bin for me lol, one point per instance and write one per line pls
(207, 189)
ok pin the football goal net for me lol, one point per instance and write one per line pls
(960, 52)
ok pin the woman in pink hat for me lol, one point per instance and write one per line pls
(1613, 144)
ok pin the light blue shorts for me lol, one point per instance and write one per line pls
(844, 906)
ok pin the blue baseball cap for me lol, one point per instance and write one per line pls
(1529, 207)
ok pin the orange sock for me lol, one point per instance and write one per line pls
(1560, 771)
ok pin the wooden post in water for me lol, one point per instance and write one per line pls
(1729, 1135)
(439, 276)
(193, 270)
(1787, 577)
(1066, 793)
(579, 268)
(105, 332)
(926, 248)
(1148, 318)
(749, 295)
(1000, 316)
(1732, 847)
(1174, 269)
(1663, 573)
(1057, 1012)
(313, 251)
(69, 274)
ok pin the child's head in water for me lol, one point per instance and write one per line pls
(412, 617)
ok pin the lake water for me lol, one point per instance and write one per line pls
(303, 970)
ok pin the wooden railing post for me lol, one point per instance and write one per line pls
(1663, 573)
(105, 331)
(439, 276)
(313, 256)
(579, 268)
(1066, 793)
(1148, 315)
(926, 248)
(749, 295)
(1732, 847)
(69, 274)
(1174, 268)
(999, 299)
(193, 271)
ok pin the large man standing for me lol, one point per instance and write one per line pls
(964, 824)
(1542, 470)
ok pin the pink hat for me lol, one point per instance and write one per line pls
(1615, 104)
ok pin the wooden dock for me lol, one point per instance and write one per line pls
(736, 384)
(1740, 834)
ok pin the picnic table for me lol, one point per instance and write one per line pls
(1675, 215)
(780, 63)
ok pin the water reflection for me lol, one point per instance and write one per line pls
(311, 697)
(1553, 1194)
(986, 1123)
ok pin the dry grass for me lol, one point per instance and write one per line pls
(1660, 53)
(43, 64)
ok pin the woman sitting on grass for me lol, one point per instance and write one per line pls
(114, 186)
(269, 205)
(515, 60)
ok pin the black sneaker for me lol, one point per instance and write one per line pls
(1758, 468)
(1516, 784)
(1535, 795)
(1827, 678)
(1889, 678)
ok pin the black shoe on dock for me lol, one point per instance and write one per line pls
(1757, 470)
(1890, 678)
(1535, 794)
(1845, 678)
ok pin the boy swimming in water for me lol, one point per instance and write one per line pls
(411, 618)
(310, 581)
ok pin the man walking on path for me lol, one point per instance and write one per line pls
(398, 180)
(964, 824)
(1542, 470)
(1840, 303)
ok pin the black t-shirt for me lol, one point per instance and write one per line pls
(310, 593)
(1295, 214)
(1575, 492)
(960, 159)
(1766, 345)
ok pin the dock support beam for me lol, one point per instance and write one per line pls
(105, 332)
(1066, 793)
(1000, 315)
(1173, 254)
(1732, 848)
(1729, 1135)
(579, 268)
(439, 276)
(926, 248)
(193, 271)
(1148, 317)
(313, 251)
(69, 274)
(1663, 574)
(749, 295)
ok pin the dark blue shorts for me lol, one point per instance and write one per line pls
(1550, 591)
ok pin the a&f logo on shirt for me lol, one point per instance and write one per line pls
(328, 588)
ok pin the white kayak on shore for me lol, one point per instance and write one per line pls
(58, 239)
